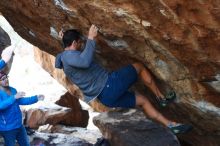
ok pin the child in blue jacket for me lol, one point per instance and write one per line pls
(11, 127)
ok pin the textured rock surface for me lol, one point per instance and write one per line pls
(77, 116)
(54, 139)
(131, 128)
(5, 41)
(42, 115)
(177, 40)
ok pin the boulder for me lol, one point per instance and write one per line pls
(177, 40)
(5, 41)
(131, 128)
(44, 114)
(77, 116)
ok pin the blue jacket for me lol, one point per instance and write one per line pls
(83, 71)
(10, 113)
(2, 64)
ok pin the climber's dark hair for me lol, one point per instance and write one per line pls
(69, 36)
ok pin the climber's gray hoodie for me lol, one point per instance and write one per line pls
(81, 69)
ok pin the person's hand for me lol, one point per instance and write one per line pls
(7, 53)
(92, 32)
(40, 97)
(60, 34)
(19, 95)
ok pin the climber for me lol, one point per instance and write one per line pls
(110, 88)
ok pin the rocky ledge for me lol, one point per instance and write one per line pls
(131, 128)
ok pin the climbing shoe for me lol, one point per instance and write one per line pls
(179, 128)
(169, 97)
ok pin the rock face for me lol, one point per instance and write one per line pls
(130, 128)
(177, 40)
(5, 41)
(77, 116)
(54, 139)
(42, 115)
